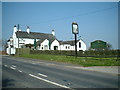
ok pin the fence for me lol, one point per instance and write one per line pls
(20, 51)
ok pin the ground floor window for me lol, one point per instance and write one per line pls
(46, 47)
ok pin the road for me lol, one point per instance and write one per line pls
(29, 73)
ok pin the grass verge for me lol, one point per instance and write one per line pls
(83, 61)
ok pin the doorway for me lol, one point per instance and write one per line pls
(55, 47)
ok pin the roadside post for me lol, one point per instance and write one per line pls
(75, 32)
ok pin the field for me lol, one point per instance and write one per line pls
(82, 61)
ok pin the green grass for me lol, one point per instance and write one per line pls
(82, 61)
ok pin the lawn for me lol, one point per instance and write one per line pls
(82, 61)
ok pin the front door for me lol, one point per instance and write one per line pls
(55, 47)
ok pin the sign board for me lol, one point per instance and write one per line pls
(98, 44)
(75, 28)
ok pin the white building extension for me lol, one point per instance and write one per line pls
(55, 45)
(70, 45)
(40, 41)
(44, 45)
(61, 45)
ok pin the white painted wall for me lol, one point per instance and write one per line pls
(44, 45)
(28, 41)
(10, 51)
(24, 41)
(83, 46)
(65, 47)
(55, 43)
(72, 47)
(14, 37)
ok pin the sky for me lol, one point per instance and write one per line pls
(96, 20)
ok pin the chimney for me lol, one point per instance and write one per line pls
(28, 29)
(15, 28)
(53, 32)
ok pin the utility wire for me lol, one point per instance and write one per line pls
(69, 17)
(93, 12)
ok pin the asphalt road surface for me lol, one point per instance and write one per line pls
(29, 73)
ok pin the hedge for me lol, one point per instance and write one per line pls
(105, 53)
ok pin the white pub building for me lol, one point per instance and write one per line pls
(43, 41)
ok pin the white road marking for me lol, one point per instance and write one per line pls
(42, 75)
(54, 83)
(19, 70)
(6, 65)
(12, 68)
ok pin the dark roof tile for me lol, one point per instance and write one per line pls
(35, 35)
(72, 42)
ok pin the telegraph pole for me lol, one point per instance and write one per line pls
(18, 39)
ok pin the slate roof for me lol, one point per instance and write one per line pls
(71, 42)
(35, 35)
(42, 37)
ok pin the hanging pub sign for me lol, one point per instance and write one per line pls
(75, 28)
(75, 32)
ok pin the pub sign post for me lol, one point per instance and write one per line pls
(75, 32)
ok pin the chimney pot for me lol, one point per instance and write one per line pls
(28, 29)
(53, 32)
(14, 25)
(15, 29)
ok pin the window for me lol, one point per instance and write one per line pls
(66, 47)
(79, 44)
(45, 47)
